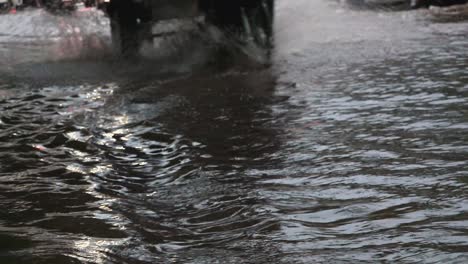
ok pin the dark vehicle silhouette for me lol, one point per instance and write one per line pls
(427, 3)
(132, 21)
(405, 3)
(60, 5)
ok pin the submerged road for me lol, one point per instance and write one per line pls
(351, 148)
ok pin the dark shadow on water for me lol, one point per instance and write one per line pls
(218, 125)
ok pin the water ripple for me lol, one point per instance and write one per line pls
(351, 148)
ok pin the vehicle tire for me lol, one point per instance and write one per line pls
(250, 20)
(261, 18)
(90, 3)
(5, 7)
(124, 36)
(130, 26)
(53, 5)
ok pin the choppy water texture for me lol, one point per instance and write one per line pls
(351, 148)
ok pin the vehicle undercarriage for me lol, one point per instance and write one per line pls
(132, 22)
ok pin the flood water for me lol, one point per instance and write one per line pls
(351, 148)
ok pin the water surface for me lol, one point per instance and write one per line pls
(352, 147)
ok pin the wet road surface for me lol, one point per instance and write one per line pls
(351, 148)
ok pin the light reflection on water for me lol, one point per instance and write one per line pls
(352, 147)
